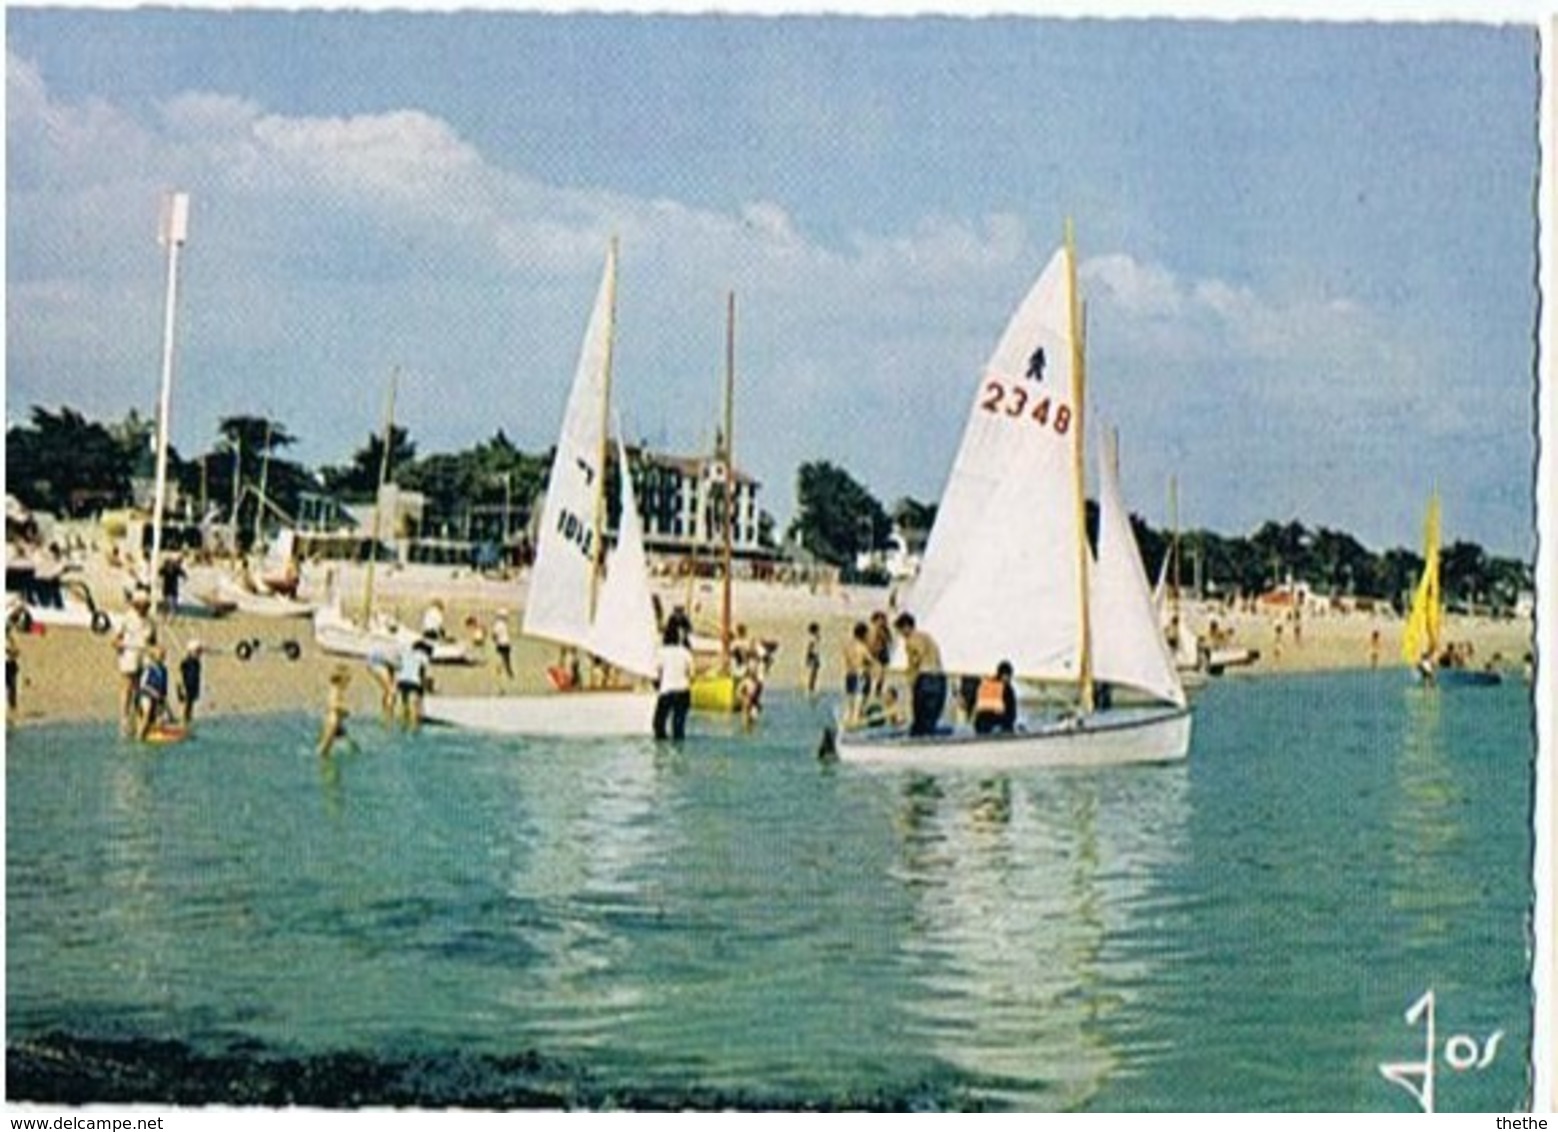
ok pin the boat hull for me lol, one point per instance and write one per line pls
(273, 605)
(1110, 738)
(206, 608)
(1219, 660)
(1465, 678)
(714, 693)
(263, 604)
(340, 637)
(582, 714)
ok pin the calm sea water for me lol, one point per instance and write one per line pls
(444, 919)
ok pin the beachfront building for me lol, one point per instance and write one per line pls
(682, 499)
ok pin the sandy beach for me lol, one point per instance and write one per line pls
(68, 674)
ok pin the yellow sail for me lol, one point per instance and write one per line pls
(1422, 632)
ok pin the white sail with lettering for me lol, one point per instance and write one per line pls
(558, 607)
(1000, 576)
(1009, 577)
(610, 616)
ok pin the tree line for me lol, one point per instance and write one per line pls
(60, 462)
(839, 521)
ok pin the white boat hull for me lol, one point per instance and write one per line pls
(272, 605)
(336, 635)
(262, 604)
(583, 714)
(1110, 738)
(1220, 659)
(71, 615)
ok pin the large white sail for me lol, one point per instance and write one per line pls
(558, 605)
(624, 628)
(1128, 645)
(1000, 577)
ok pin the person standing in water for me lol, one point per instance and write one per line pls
(813, 656)
(927, 682)
(136, 635)
(189, 681)
(334, 725)
(411, 682)
(673, 679)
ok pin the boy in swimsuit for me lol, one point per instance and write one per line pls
(334, 725)
(152, 692)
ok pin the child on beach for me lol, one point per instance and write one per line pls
(885, 712)
(880, 642)
(381, 666)
(411, 682)
(502, 645)
(189, 681)
(858, 662)
(152, 692)
(12, 667)
(334, 725)
(813, 656)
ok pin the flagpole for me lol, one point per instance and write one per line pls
(174, 232)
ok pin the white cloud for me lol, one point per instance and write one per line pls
(329, 248)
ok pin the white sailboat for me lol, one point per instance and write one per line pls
(570, 601)
(1008, 574)
(378, 634)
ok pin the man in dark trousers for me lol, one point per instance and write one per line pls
(927, 682)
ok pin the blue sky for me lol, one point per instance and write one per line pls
(1308, 249)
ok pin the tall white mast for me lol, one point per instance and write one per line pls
(174, 231)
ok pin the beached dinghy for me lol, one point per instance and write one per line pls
(378, 634)
(339, 635)
(1008, 574)
(580, 595)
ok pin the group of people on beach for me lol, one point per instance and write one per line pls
(403, 678)
(677, 667)
(988, 702)
(145, 698)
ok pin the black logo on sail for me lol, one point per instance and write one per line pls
(1036, 365)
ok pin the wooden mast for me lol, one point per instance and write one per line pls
(1173, 578)
(598, 551)
(378, 498)
(1078, 422)
(728, 468)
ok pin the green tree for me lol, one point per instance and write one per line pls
(836, 518)
(1340, 563)
(914, 516)
(359, 480)
(63, 463)
(475, 487)
(1464, 573)
(232, 472)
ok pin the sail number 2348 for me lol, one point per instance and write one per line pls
(1014, 401)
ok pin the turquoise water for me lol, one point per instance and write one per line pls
(445, 919)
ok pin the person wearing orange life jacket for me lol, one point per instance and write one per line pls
(995, 704)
